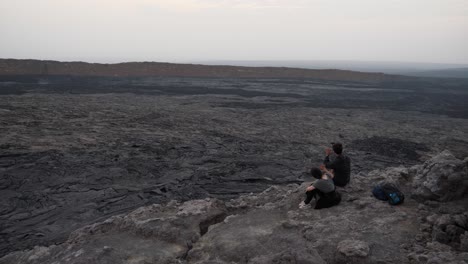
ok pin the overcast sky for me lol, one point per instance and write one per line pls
(194, 30)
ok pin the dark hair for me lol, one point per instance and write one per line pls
(316, 173)
(338, 148)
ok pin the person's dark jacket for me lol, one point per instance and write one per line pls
(341, 166)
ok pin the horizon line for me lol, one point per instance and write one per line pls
(199, 61)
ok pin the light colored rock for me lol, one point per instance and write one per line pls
(442, 178)
(39, 252)
(254, 238)
(152, 234)
(194, 207)
(395, 175)
(353, 248)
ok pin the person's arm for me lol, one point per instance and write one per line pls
(328, 164)
(330, 173)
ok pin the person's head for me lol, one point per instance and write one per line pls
(338, 148)
(316, 173)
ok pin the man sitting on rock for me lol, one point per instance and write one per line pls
(341, 165)
(324, 188)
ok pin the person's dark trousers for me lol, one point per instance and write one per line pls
(324, 200)
(312, 194)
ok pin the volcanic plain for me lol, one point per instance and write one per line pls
(77, 150)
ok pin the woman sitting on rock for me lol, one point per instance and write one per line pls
(324, 188)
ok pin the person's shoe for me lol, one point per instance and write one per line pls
(302, 205)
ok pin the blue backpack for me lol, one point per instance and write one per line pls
(388, 192)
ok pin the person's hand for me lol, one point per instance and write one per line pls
(328, 151)
(310, 188)
(323, 168)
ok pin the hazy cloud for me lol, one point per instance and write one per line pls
(184, 30)
(196, 5)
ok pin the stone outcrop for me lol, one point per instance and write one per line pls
(447, 228)
(442, 178)
(353, 248)
(152, 234)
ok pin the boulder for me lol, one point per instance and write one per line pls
(353, 248)
(442, 178)
(256, 237)
(448, 229)
(437, 253)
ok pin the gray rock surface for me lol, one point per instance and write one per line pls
(153, 234)
(441, 178)
(353, 248)
(74, 151)
(268, 227)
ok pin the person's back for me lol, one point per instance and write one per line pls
(341, 165)
(342, 168)
(324, 188)
(324, 185)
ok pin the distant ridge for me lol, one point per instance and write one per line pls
(443, 73)
(157, 69)
(388, 67)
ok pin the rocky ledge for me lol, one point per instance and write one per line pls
(430, 227)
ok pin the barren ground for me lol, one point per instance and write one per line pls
(72, 153)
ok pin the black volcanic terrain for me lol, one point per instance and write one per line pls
(77, 149)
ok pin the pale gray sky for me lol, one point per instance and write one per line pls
(194, 30)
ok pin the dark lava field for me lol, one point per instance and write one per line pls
(74, 151)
